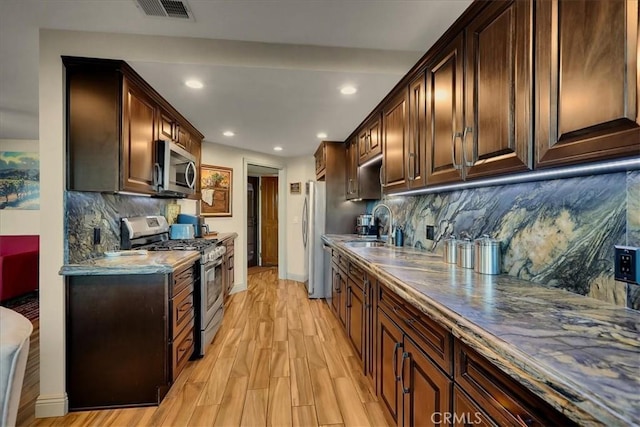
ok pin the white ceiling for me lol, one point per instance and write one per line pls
(266, 103)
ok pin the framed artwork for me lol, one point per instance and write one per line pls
(294, 188)
(19, 180)
(216, 185)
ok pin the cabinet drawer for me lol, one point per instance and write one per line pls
(468, 412)
(182, 310)
(356, 273)
(503, 399)
(431, 337)
(182, 279)
(343, 262)
(182, 349)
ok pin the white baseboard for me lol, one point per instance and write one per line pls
(238, 287)
(52, 405)
(297, 277)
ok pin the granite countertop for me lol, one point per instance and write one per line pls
(579, 354)
(162, 262)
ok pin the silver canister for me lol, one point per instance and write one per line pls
(488, 256)
(450, 249)
(465, 253)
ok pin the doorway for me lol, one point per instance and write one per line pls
(263, 213)
(253, 183)
(269, 220)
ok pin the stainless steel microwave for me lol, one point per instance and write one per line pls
(175, 170)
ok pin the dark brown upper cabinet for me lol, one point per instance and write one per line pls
(395, 141)
(417, 145)
(498, 95)
(113, 120)
(587, 81)
(369, 143)
(479, 97)
(352, 170)
(445, 119)
(321, 161)
(362, 182)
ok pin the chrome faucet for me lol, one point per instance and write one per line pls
(390, 234)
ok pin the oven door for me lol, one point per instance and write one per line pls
(211, 292)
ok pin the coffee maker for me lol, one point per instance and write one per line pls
(365, 225)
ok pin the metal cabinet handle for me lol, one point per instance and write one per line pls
(411, 160)
(395, 360)
(349, 296)
(405, 356)
(456, 135)
(467, 131)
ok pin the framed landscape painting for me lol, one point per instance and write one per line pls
(19, 180)
(216, 184)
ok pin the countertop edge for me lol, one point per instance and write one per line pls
(560, 392)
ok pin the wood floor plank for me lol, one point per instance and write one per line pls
(231, 343)
(279, 412)
(296, 344)
(301, 390)
(280, 329)
(186, 402)
(230, 411)
(265, 334)
(335, 362)
(315, 355)
(363, 386)
(244, 358)
(353, 412)
(308, 325)
(255, 408)
(204, 415)
(304, 416)
(375, 414)
(260, 369)
(280, 359)
(218, 378)
(324, 396)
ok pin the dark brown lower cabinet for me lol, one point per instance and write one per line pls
(413, 390)
(355, 316)
(466, 412)
(335, 289)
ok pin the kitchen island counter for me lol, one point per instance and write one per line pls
(579, 354)
(161, 262)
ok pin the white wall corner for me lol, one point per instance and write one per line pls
(238, 287)
(52, 405)
(297, 277)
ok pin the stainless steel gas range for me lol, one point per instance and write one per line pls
(152, 233)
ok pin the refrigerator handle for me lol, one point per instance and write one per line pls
(305, 211)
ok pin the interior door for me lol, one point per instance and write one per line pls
(269, 215)
(252, 221)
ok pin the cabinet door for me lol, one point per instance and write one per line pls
(373, 134)
(352, 170)
(369, 329)
(363, 146)
(586, 81)
(394, 139)
(167, 127)
(355, 317)
(184, 138)
(497, 133)
(389, 346)
(426, 389)
(321, 160)
(342, 306)
(416, 151)
(335, 290)
(444, 113)
(139, 134)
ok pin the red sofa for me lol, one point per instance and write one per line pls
(19, 265)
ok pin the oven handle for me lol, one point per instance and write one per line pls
(212, 264)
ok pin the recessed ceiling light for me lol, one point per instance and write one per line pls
(277, 148)
(321, 135)
(228, 133)
(348, 90)
(194, 84)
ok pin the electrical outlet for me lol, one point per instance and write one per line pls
(431, 232)
(627, 264)
(96, 235)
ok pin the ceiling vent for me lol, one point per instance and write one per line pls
(178, 9)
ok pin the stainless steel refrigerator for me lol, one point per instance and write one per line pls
(313, 227)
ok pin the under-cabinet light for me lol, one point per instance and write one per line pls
(374, 160)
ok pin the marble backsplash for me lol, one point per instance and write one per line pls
(88, 210)
(559, 232)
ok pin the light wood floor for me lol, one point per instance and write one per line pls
(279, 359)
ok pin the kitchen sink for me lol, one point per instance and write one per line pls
(365, 243)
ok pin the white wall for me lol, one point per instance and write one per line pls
(19, 222)
(299, 169)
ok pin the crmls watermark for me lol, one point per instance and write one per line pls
(451, 418)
